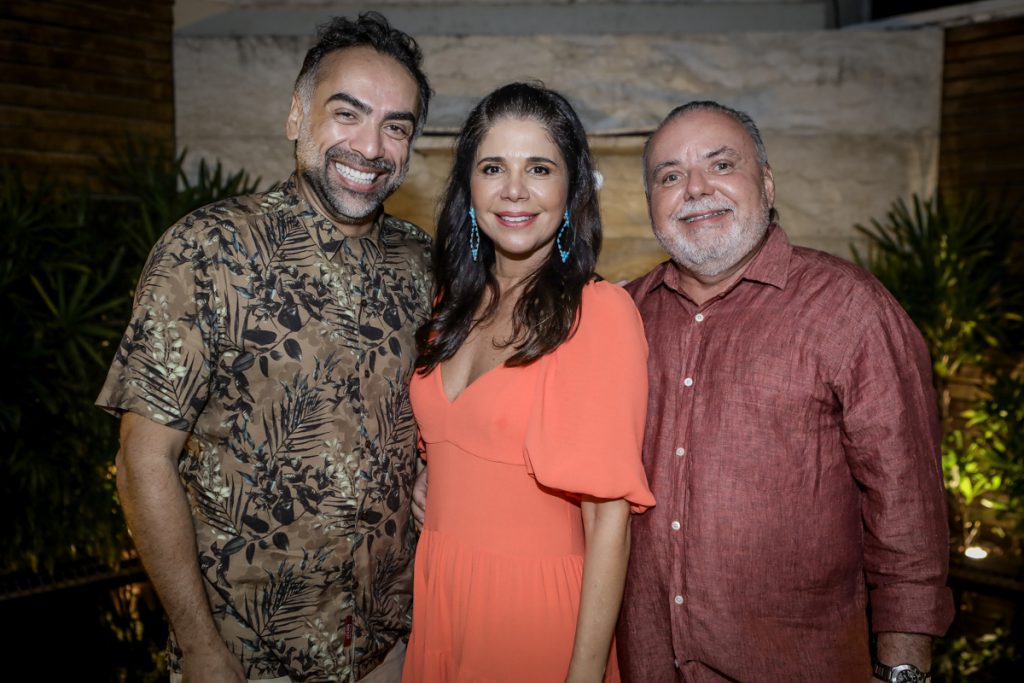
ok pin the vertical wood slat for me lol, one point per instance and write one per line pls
(982, 99)
(77, 79)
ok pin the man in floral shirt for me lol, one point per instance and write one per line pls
(262, 383)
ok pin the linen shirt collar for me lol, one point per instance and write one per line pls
(770, 266)
(324, 232)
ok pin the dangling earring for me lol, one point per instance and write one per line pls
(474, 234)
(563, 251)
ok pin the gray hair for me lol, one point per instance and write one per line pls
(707, 105)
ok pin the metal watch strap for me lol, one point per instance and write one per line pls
(884, 673)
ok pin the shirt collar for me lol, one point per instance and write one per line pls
(769, 266)
(323, 231)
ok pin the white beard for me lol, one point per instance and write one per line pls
(711, 251)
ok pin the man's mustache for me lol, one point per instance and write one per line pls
(703, 206)
(359, 161)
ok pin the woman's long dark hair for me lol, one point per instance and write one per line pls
(546, 312)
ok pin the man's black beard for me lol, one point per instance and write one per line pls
(334, 203)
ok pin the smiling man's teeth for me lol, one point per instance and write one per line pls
(354, 175)
(702, 216)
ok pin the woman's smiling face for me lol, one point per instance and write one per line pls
(519, 189)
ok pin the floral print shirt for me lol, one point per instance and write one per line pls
(285, 349)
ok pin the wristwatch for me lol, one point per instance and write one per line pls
(901, 673)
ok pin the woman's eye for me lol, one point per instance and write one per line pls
(540, 170)
(490, 169)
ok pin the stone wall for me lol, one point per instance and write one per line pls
(76, 80)
(850, 118)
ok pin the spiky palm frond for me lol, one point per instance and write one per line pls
(69, 262)
(950, 264)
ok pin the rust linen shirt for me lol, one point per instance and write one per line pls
(792, 445)
(285, 349)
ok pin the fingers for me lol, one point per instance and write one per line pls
(419, 498)
(419, 513)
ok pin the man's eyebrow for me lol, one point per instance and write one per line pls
(725, 150)
(364, 108)
(663, 165)
(353, 101)
(400, 116)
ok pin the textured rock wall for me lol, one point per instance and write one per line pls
(850, 118)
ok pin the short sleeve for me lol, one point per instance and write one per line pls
(161, 370)
(585, 432)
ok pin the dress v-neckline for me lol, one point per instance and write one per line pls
(444, 390)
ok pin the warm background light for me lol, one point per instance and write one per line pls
(976, 553)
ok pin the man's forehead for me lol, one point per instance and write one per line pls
(703, 133)
(358, 64)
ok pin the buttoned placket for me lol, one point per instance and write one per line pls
(360, 260)
(352, 274)
(690, 350)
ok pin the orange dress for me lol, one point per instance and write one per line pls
(499, 565)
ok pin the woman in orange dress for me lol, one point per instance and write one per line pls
(531, 396)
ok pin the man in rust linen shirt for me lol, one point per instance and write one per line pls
(268, 446)
(792, 441)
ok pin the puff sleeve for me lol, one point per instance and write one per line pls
(586, 428)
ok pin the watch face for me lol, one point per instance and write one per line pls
(907, 674)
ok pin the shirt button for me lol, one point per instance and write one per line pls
(688, 382)
(699, 317)
(679, 599)
(676, 662)
(680, 451)
(676, 525)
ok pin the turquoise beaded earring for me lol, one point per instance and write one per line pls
(563, 251)
(474, 234)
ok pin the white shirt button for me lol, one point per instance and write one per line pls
(680, 451)
(688, 382)
(679, 599)
(676, 526)
(699, 317)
